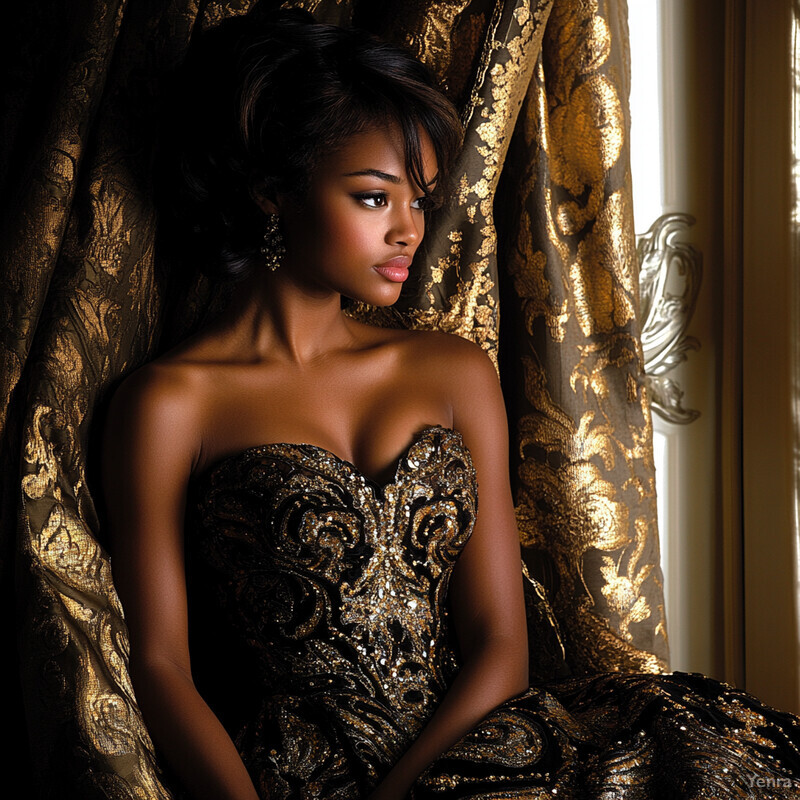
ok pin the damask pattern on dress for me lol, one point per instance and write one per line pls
(335, 587)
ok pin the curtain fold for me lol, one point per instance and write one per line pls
(541, 229)
(572, 355)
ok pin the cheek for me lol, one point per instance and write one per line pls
(347, 232)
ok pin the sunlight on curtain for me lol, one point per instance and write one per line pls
(647, 171)
(646, 113)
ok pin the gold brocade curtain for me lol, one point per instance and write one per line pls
(541, 230)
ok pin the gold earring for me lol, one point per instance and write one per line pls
(273, 248)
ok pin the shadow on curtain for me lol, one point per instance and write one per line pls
(542, 228)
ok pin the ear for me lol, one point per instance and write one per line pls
(265, 204)
(269, 202)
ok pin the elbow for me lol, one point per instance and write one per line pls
(505, 663)
(155, 678)
(512, 684)
(519, 679)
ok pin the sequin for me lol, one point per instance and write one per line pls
(337, 588)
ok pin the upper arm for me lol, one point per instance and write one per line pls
(149, 446)
(487, 598)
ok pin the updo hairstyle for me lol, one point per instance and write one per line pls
(259, 101)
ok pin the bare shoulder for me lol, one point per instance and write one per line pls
(156, 410)
(450, 352)
(158, 386)
(462, 368)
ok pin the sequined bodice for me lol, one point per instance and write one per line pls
(340, 584)
(337, 587)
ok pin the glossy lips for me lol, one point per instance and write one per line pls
(396, 269)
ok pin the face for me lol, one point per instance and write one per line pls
(363, 218)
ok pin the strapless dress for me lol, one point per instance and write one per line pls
(321, 637)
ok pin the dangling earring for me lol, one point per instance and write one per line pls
(273, 248)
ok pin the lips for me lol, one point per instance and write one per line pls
(395, 269)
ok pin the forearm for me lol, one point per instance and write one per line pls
(486, 680)
(192, 739)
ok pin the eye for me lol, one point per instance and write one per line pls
(428, 202)
(372, 199)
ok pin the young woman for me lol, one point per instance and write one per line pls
(341, 148)
(321, 476)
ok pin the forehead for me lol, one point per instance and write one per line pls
(378, 148)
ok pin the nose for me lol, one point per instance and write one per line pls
(407, 227)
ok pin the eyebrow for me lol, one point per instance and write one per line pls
(376, 173)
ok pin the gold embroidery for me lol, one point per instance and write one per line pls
(100, 311)
(586, 493)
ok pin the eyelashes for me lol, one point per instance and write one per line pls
(380, 200)
(425, 203)
(372, 199)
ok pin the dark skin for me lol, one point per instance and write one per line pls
(284, 364)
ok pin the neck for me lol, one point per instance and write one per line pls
(273, 317)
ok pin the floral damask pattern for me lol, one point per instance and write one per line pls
(586, 493)
(541, 226)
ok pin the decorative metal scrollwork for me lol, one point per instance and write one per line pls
(670, 273)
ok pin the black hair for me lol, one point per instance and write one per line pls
(258, 102)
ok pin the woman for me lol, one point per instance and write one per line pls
(283, 363)
(327, 471)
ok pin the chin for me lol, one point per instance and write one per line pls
(386, 303)
(376, 299)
